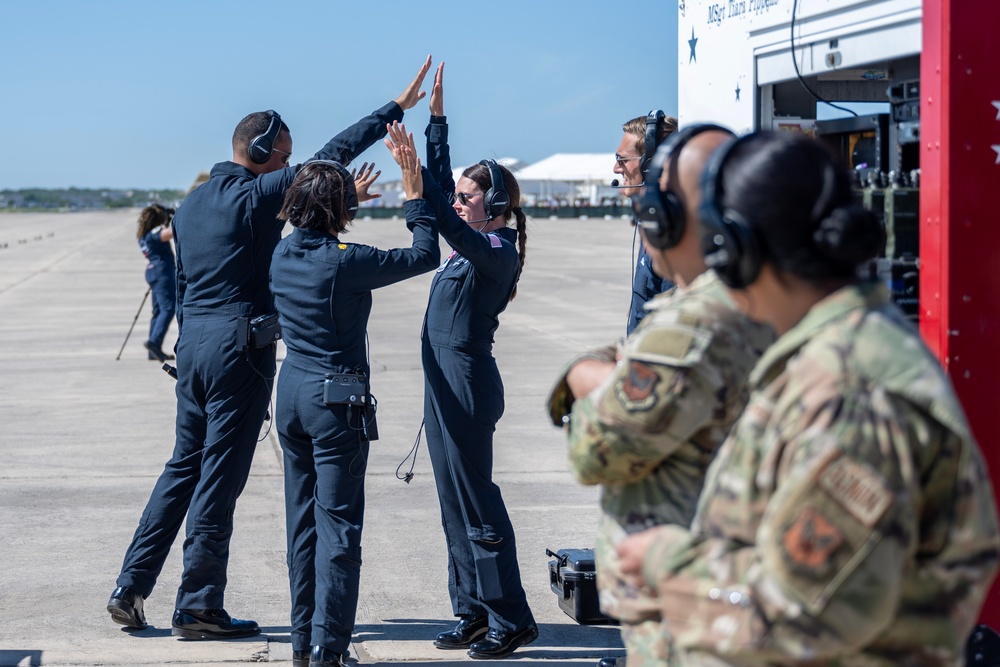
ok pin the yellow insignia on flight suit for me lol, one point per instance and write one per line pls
(342, 246)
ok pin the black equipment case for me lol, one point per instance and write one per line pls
(573, 578)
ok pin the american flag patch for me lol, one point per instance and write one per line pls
(494, 241)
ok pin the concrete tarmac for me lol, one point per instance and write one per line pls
(83, 437)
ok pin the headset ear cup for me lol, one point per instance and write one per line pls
(496, 201)
(350, 191)
(730, 248)
(258, 153)
(664, 227)
(748, 258)
(653, 121)
(260, 147)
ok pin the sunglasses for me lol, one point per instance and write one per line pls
(464, 197)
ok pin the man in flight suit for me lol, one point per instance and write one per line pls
(641, 136)
(646, 417)
(225, 234)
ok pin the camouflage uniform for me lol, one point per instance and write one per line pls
(847, 520)
(649, 432)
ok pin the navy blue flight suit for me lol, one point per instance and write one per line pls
(322, 290)
(225, 233)
(645, 285)
(463, 400)
(162, 283)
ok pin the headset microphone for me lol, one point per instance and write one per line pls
(615, 184)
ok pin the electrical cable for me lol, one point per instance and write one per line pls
(413, 452)
(791, 40)
(270, 404)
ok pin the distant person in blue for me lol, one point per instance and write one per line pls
(638, 145)
(322, 289)
(463, 392)
(154, 236)
(225, 234)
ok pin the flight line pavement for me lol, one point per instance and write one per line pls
(83, 437)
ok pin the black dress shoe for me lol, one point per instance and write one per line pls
(155, 352)
(500, 644)
(300, 658)
(468, 630)
(611, 662)
(324, 657)
(211, 624)
(125, 606)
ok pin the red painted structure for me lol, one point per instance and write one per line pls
(959, 221)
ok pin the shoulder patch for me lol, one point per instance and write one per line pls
(635, 389)
(342, 246)
(495, 242)
(856, 488)
(809, 541)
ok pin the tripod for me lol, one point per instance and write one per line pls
(145, 296)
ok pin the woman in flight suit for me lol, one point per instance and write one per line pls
(463, 392)
(848, 518)
(154, 236)
(322, 292)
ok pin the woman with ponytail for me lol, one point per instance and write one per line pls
(848, 518)
(154, 236)
(463, 392)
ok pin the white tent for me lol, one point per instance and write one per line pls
(589, 175)
(572, 168)
(561, 176)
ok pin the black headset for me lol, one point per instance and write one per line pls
(496, 200)
(728, 241)
(661, 213)
(350, 189)
(653, 120)
(260, 147)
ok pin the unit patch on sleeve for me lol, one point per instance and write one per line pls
(635, 389)
(809, 541)
(495, 242)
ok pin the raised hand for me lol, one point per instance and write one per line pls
(409, 97)
(397, 139)
(413, 182)
(437, 92)
(364, 179)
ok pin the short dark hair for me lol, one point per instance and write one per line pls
(316, 199)
(798, 199)
(251, 126)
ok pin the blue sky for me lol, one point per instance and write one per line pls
(146, 94)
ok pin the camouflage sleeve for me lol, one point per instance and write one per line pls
(852, 531)
(561, 399)
(660, 394)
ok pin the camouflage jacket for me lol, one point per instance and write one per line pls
(649, 432)
(847, 520)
